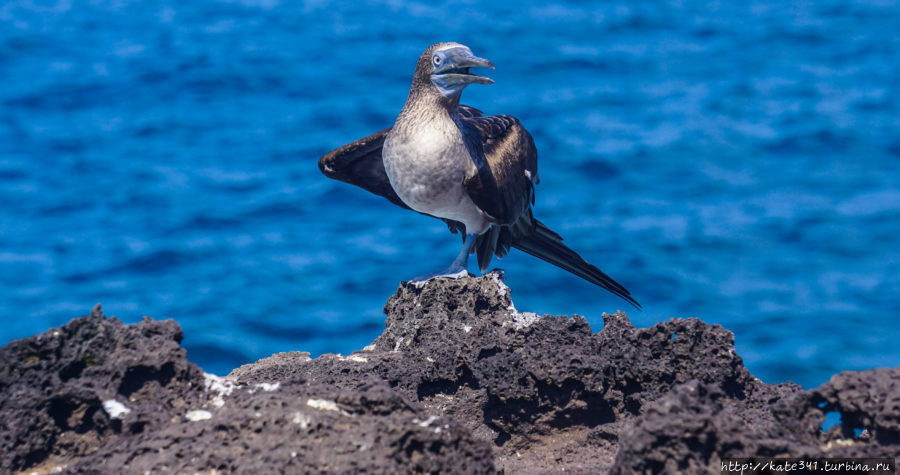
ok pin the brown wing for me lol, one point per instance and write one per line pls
(503, 152)
(468, 111)
(506, 160)
(359, 163)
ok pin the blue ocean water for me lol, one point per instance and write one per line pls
(733, 161)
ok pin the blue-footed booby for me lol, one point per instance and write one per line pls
(449, 161)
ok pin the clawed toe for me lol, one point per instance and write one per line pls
(451, 273)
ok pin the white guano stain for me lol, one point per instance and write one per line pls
(426, 422)
(198, 415)
(301, 419)
(115, 409)
(221, 386)
(502, 289)
(520, 320)
(267, 387)
(322, 404)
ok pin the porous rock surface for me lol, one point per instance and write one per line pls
(458, 382)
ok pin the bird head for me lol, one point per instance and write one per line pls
(446, 67)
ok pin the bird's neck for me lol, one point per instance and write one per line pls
(428, 97)
(424, 107)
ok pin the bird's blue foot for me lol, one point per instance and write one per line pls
(452, 272)
(459, 267)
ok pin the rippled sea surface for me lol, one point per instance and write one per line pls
(734, 161)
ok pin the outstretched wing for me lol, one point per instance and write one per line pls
(359, 163)
(506, 162)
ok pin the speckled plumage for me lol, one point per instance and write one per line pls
(427, 162)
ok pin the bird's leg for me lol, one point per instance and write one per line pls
(459, 267)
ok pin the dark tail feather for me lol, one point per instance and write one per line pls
(547, 245)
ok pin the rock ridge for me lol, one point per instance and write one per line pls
(459, 382)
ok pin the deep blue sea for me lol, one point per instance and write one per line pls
(733, 161)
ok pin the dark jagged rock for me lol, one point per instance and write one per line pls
(66, 393)
(867, 400)
(459, 381)
(97, 396)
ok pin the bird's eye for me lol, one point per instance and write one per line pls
(436, 60)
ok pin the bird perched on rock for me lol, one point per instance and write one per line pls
(475, 172)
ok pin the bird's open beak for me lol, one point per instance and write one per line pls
(455, 70)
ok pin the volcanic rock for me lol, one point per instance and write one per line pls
(458, 382)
